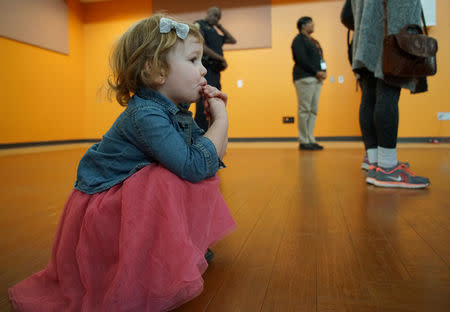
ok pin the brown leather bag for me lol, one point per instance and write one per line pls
(410, 53)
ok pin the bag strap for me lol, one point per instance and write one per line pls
(348, 37)
(385, 19)
(423, 21)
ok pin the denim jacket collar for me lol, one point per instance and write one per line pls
(153, 95)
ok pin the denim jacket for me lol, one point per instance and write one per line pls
(150, 130)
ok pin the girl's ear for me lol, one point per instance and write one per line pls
(148, 68)
(158, 78)
(161, 77)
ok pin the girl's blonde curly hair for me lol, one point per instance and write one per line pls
(140, 44)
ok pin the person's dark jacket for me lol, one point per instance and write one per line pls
(306, 57)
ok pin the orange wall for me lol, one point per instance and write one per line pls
(41, 90)
(418, 113)
(104, 22)
(62, 100)
(268, 92)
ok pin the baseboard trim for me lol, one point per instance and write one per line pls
(46, 143)
(343, 139)
(264, 139)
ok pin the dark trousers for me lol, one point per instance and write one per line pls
(378, 113)
(213, 79)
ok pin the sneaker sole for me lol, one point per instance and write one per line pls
(398, 184)
(209, 255)
(370, 180)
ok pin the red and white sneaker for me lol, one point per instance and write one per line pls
(371, 172)
(399, 176)
(365, 164)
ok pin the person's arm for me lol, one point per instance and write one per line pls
(216, 109)
(224, 146)
(228, 37)
(218, 132)
(197, 132)
(208, 51)
(321, 74)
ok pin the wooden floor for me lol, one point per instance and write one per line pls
(311, 236)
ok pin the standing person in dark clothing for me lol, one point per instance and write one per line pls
(213, 59)
(309, 73)
(379, 114)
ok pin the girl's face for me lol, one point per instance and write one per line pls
(186, 76)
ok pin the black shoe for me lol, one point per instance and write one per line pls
(307, 147)
(316, 146)
(209, 255)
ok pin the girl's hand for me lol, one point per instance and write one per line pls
(214, 102)
(212, 92)
(215, 108)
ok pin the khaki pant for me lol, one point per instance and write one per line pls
(308, 92)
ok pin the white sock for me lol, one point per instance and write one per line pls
(372, 155)
(387, 157)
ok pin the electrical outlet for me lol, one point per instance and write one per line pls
(288, 119)
(443, 116)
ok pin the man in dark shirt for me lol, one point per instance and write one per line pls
(309, 72)
(213, 58)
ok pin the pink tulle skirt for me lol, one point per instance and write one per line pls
(138, 246)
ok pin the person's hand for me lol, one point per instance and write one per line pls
(221, 58)
(321, 75)
(224, 64)
(215, 102)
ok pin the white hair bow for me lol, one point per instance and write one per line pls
(166, 25)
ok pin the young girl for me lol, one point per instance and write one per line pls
(146, 203)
